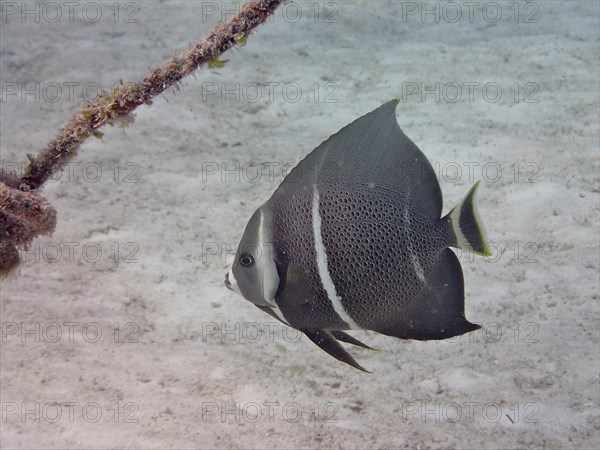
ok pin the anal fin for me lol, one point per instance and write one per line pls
(439, 311)
(326, 341)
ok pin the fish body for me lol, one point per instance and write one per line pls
(353, 238)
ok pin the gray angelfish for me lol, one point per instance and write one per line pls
(353, 238)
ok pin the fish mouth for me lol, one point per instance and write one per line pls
(228, 284)
(231, 283)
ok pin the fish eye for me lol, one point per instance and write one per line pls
(246, 259)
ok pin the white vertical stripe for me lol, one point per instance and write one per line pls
(414, 258)
(323, 267)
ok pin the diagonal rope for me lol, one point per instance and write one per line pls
(24, 214)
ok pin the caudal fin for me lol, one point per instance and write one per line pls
(467, 230)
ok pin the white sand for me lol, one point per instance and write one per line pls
(531, 380)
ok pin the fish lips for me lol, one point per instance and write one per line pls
(228, 283)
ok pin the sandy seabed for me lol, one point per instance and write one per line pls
(117, 330)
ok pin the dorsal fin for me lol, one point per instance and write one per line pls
(371, 151)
